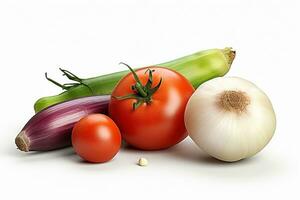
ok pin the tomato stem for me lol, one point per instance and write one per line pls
(143, 93)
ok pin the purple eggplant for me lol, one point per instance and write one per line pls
(51, 128)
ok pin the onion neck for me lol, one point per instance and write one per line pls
(22, 141)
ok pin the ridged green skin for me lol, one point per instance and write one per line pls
(197, 68)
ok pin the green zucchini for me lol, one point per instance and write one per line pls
(197, 68)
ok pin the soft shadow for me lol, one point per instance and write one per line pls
(128, 148)
(41, 155)
(257, 167)
(189, 152)
(213, 161)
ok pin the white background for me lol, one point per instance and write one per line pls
(91, 37)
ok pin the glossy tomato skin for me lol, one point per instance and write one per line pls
(96, 138)
(157, 125)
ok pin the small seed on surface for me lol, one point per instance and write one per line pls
(143, 162)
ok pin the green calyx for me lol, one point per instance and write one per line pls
(70, 76)
(142, 93)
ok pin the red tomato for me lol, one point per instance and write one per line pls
(96, 138)
(159, 122)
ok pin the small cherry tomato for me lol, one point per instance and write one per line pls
(96, 138)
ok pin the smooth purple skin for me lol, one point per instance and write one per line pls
(52, 127)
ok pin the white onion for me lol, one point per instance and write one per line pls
(230, 118)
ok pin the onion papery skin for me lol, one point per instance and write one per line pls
(227, 135)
